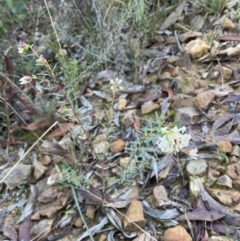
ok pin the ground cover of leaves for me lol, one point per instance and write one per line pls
(101, 165)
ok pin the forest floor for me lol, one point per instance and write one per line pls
(119, 124)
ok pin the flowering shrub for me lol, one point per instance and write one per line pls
(169, 140)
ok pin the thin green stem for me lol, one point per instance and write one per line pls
(80, 212)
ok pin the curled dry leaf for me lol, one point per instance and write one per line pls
(155, 213)
(169, 91)
(116, 222)
(229, 38)
(209, 202)
(37, 125)
(62, 130)
(185, 37)
(223, 124)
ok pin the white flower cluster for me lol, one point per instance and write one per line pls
(116, 84)
(173, 140)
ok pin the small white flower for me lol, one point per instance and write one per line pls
(23, 47)
(115, 84)
(182, 129)
(25, 80)
(52, 179)
(173, 140)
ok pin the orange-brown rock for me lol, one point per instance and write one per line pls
(177, 233)
(134, 216)
(196, 48)
(204, 99)
(233, 171)
(225, 146)
(160, 195)
(117, 146)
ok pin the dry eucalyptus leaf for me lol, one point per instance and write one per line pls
(60, 131)
(201, 215)
(30, 206)
(116, 222)
(95, 229)
(24, 229)
(155, 213)
(173, 17)
(9, 231)
(223, 125)
(117, 204)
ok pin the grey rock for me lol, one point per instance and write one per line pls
(18, 176)
(187, 115)
(225, 180)
(235, 151)
(197, 167)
